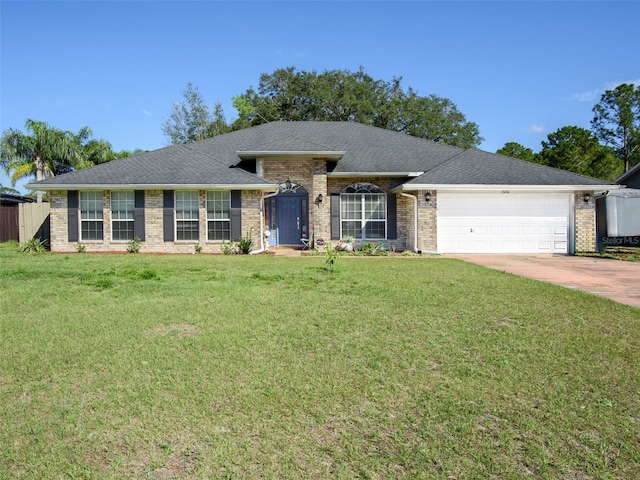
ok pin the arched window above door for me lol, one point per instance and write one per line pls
(290, 187)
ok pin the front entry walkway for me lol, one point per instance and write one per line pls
(284, 251)
(614, 279)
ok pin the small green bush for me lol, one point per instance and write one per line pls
(134, 245)
(372, 249)
(35, 245)
(245, 244)
(228, 248)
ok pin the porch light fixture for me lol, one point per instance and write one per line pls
(319, 199)
(586, 198)
(287, 184)
(427, 196)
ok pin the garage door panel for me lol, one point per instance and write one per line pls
(486, 223)
(544, 246)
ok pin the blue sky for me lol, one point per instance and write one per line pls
(518, 69)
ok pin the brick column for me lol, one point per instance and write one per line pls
(320, 213)
(59, 222)
(427, 221)
(585, 223)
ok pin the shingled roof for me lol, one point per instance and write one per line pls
(357, 149)
(476, 167)
(177, 165)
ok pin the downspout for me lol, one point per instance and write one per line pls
(415, 220)
(262, 248)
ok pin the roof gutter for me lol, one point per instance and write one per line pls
(477, 187)
(373, 174)
(152, 186)
(328, 154)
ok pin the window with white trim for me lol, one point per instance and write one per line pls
(219, 215)
(363, 212)
(91, 225)
(187, 215)
(122, 204)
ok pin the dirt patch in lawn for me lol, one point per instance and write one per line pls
(182, 329)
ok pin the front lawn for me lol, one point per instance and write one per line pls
(193, 366)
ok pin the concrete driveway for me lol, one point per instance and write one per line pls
(614, 279)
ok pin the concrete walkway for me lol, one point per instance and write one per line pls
(283, 251)
(614, 279)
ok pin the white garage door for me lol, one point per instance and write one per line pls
(503, 223)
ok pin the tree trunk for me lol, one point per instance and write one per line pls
(39, 176)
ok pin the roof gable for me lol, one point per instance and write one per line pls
(630, 174)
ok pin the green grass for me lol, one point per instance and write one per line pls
(628, 254)
(199, 366)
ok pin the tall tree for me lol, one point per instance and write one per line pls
(129, 153)
(218, 124)
(515, 150)
(46, 151)
(617, 122)
(341, 95)
(577, 150)
(191, 120)
(42, 152)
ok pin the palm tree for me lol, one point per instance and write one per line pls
(11, 191)
(48, 151)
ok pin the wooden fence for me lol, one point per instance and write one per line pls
(9, 223)
(34, 221)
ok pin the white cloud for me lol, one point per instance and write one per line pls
(587, 96)
(147, 112)
(536, 129)
(595, 95)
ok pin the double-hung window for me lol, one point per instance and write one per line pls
(91, 226)
(122, 215)
(219, 215)
(363, 212)
(187, 215)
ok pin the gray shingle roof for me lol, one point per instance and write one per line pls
(175, 165)
(367, 149)
(476, 167)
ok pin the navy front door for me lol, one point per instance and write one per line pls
(290, 221)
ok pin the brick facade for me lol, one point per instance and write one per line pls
(312, 175)
(585, 223)
(154, 226)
